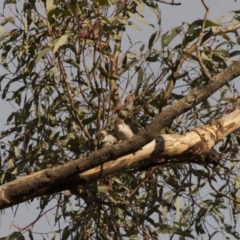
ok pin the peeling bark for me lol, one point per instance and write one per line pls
(196, 143)
(122, 155)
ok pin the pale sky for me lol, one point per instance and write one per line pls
(172, 16)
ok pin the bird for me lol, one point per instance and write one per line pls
(122, 130)
(106, 139)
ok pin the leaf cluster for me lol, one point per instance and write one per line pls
(68, 74)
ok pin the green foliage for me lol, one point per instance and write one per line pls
(60, 73)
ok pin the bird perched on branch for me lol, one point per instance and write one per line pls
(122, 130)
(105, 139)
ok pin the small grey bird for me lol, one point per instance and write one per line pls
(122, 130)
(105, 139)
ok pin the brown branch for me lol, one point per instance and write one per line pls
(114, 63)
(170, 3)
(226, 29)
(204, 69)
(72, 110)
(115, 57)
(61, 177)
(139, 185)
(189, 51)
(235, 201)
(41, 214)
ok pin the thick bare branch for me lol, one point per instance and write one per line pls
(56, 179)
(197, 142)
(194, 144)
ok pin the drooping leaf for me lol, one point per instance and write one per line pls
(169, 36)
(135, 26)
(62, 40)
(152, 39)
(44, 52)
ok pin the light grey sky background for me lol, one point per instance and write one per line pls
(172, 16)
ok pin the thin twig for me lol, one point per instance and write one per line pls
(226, 29)
(204, 69)
(72, 111)
(170, 3)
(191, 49)
(235, 201)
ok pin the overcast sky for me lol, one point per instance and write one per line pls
(172, 16)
